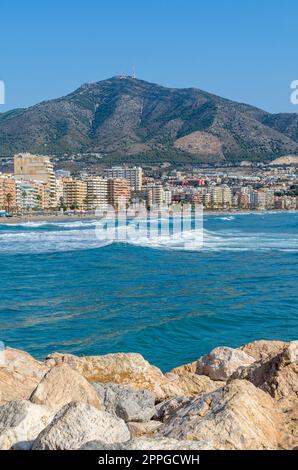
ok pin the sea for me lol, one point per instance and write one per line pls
(63, 290)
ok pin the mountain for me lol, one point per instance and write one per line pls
(133, 120)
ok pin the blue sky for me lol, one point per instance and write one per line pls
(246, 51)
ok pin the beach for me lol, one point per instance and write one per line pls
(86, 216)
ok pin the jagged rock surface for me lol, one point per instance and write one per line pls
(221, 362)
(21, 422)
(126, 402)
(129, 369)
(238, 416)
(61, 385)
(78, 423)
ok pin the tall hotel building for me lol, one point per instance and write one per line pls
(34, 167)
(74, 193)
(118, 191)
(157, 196)
(97, 192)
(38, 168)
(133, 175)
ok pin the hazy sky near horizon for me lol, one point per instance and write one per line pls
(245, 51)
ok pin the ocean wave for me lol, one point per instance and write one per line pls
(77, 238)
(51, 223)
(228, 217)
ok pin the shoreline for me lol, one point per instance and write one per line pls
(62, 218)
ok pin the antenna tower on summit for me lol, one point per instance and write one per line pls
(133, 71)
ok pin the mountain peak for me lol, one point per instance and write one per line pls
(129, 119)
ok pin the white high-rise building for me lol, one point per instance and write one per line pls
(97, 192)
(221, 196)
(157, 196)
(26, 195)
(134, 175)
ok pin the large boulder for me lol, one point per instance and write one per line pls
(237, 416)
(130, 369)
(126, 402)
(61, 385)
(221, 362)
(15, 386)
(191, 383)
(23, 363)
(278, 376)
(21, 422)
(78, 423)
(149, 444)
(262, 350)
(19, 375)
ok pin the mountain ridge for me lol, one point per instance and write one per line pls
(131, 119)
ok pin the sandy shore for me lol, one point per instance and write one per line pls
(61, 218)
(44, 218)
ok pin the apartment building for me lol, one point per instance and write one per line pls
(38, 168)
(221, 197)
(59, 191)
(133, 175)
(156, 195)
(97, 192)
(7, 192)
(226, 196)
(118, 191)
(27, 195)
(74, 193)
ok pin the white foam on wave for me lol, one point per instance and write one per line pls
(54, 223)
(27, 224)
(228, 217)
(77, 238)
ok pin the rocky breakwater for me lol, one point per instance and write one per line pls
(244, 398)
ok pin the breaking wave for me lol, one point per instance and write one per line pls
(45, 237)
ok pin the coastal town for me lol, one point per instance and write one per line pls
(35, 187)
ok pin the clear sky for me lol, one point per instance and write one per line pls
(242, 50)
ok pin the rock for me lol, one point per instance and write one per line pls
(128, 369)
(166, 444)
(263, 350)
(15, 386)
(277, 376)
(166, 409)
(221, 362)
(291, 353)
(19, 375)
(24, 364)
(21, 422)
(140, 429)
(61, 385)
(237, 416)
(193, 384)
(78, 423)
(126, 402)
(149, 444)
(191, 367)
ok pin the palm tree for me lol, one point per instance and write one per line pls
(86, 202)
(24, 195)
(38, 199)
(8, 198)
(62, 204)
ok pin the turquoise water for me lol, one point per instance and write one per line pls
(62, 291)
